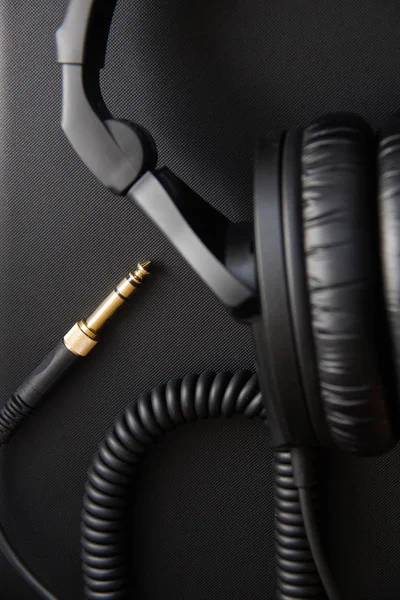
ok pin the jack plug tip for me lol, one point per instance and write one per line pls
(83, 337)
(142, 271)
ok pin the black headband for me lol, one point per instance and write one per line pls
(120, 154)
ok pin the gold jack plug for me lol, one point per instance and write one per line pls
(83, 336)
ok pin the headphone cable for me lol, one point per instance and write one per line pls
(15, 561)
(131, 438)
(304, 478)
(165, 408)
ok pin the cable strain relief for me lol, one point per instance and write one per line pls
(12, 414)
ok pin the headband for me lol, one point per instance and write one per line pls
(121, 154)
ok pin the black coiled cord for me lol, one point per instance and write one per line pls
(13, 412)
(296, 570)
(109, 488)
(105, 547)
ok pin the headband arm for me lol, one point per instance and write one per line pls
(219, 251)
(199, 233)
(82, 38)
(115, 152)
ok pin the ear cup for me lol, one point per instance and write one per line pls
(337, 194)
(389, 218)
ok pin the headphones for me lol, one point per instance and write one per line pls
(316, 274)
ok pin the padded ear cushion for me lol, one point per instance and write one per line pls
(389, 218)
(337, 197)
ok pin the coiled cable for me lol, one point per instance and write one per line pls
(105, 547)
(106, 557)
(108, 491)
(296, 571)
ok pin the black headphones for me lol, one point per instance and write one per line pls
(317, 274)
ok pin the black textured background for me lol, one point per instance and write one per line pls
(207, 78)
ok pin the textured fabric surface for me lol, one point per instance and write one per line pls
(207, 78)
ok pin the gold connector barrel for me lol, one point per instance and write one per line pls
(83, 337)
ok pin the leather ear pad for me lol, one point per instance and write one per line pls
(389, 218)
(337, 197)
